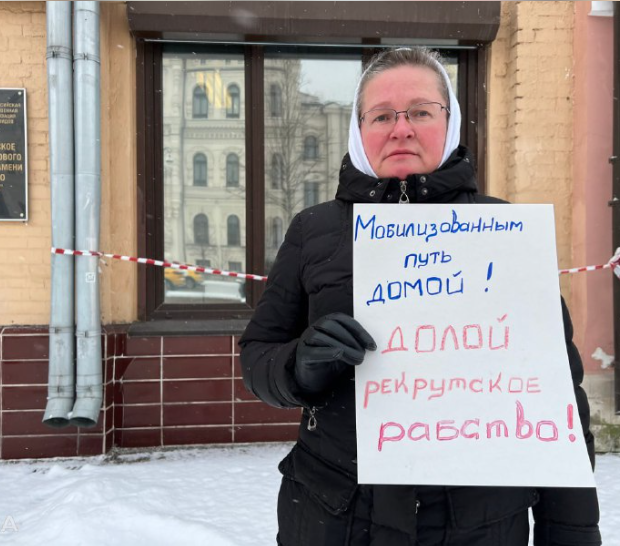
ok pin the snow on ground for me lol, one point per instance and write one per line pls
(216, 496)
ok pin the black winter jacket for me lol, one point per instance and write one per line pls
(312, 277)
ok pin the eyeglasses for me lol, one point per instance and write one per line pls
(418, 114)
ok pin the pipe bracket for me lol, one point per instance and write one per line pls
(86, 57)
(61, 329)
(87, 334)
(58, 51)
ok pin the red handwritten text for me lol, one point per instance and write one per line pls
(429, 338)
(471, 429)
(420, 388)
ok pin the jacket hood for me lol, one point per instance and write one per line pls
(456, 176)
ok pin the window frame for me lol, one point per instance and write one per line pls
(151, 304)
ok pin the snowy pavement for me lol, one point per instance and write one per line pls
(217, 496)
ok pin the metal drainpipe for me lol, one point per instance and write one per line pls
(61, 375)
(87, 113)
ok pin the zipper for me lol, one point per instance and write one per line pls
(312, 420)
(404, 198)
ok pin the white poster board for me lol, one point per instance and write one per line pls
(470, 383)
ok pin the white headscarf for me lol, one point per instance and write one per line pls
(453, 135)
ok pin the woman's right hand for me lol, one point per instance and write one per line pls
(326, 348)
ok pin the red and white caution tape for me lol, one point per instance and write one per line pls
(614, 263)
(160, 263)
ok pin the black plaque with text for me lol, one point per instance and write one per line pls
(13, 155)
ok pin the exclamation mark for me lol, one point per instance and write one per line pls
(489, 273)
(569, 412)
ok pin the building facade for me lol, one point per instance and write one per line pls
(221, 123)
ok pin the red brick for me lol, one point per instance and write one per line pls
(266, 433)
(197, 414)
(205, 367)
(208, 390)
(39, 447)
(197, 435)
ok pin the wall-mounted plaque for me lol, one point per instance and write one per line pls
(13, 156)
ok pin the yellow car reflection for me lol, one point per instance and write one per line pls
(181, 278)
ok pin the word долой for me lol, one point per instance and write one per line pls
(473, 429)
(471, 335)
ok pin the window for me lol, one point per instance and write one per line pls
(275, 100)
(200, 104)
(232, 231)
(201, 229)
(254, 166)
(232, 170)
(233, 101)
(311, 194)
(276, 232)
(311, 148)
(235, 266)
(200, 170)
(203, 262)
(277, 171)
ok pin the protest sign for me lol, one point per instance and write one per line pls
(470, 383)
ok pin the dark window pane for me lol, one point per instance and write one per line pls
(232, 170)
(275, 100)
(234, 238)
(277, 171)
(276, 232)
(311, 194)
(311, 148)
(200, 104)
(201, 229)
(233, 101)
(200, 170)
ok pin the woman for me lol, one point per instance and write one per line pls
(301, 346)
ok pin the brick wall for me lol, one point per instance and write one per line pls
(158, 391)
(24, 247)
(531, 87)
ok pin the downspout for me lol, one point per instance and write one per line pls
(61, 375)
(87, 113)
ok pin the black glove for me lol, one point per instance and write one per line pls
(326, 348)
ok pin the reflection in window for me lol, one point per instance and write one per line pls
(201, 229)
(233, 232)
(276, 232)
(200, 104)
(311, 148)
(200, 170)
(277, 171)
(203, 187)
(311, 194)
(232, 170)
(233, 101)
(275, 100)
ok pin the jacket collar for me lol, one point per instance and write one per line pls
(456, 176)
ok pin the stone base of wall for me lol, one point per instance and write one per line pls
(158, 391)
